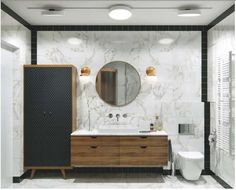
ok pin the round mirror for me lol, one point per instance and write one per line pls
(118, 83)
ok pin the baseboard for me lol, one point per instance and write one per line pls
(177, 172)
(117, 169)
(204, 172)
(18, 179)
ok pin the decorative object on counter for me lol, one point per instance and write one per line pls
(85, 71)
(158, 124)
(151, 71)
(118, 83)
(151, 127)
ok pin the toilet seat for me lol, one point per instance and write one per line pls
(191, 155)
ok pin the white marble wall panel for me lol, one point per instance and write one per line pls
(17, 35)
(221, 40)
(174, 94)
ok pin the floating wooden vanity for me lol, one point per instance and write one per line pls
(119, 150)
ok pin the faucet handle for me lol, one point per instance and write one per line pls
(110, 115)
(125, 115)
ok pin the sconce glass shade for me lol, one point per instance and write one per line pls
(85, 71)
(151, 71)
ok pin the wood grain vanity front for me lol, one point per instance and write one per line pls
(94, 151)
(119, 151)
(143, 150)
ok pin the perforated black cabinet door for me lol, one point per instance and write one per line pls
(47, 116)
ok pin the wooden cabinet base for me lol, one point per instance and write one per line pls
(34, 169)
(119, 151)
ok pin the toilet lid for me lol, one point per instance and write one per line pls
(191, 155)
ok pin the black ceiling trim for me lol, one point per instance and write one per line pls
(119, 27)
(221, 17)
(9, 11)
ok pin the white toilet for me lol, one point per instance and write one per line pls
(191, 164)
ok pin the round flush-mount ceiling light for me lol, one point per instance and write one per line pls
(189, 13)
(120, 12)
(74, 41)
(52, 12)
(166, 41)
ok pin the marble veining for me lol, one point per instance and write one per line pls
(174, 94)
(14, 33)
(221, 39)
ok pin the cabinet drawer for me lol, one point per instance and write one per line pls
(144, 141)
(95, 155)
(96, 151)
(94, 141)
(144, 151)
(142, 161)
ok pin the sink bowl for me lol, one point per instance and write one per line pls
(117, 129)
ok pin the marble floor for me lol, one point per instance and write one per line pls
(118, 181)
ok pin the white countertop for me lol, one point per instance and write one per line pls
(83, 132)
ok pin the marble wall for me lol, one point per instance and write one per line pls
(15, 34)
(174, 94)
(221, 40)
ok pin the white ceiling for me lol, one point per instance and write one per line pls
(100, 16)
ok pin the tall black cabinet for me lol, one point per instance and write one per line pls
(49, 116)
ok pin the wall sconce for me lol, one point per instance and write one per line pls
(85, 71)
(151, 71)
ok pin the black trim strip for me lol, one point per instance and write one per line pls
(9, 11)
(21, 178)
(177, 172)
(222, 182)
(206, 103)
(33, 47)
(221, 17)
(119, 27)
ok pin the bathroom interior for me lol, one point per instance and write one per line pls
(117, 94)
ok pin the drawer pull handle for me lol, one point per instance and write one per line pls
(93, 137)
(143, 146)
(143, 137)
(93, 146)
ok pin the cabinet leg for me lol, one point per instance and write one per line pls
(32, 173)
(63, 173)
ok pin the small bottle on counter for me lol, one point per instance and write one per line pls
(151, 127)
(158, 124)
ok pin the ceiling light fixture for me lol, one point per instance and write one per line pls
(189, 12)
(120, 12)
(166, 41)
(74, 41)
(52, 12)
